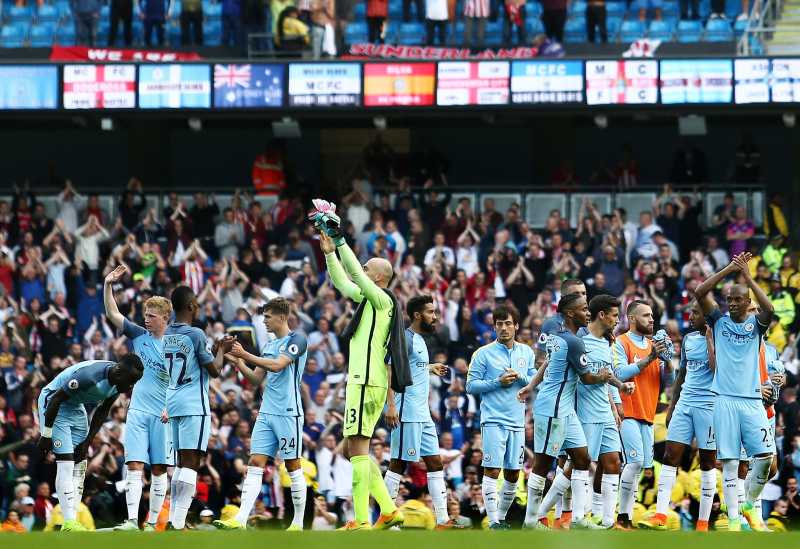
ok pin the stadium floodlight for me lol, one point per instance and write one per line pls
(107, 124)
(789, 119)
(379, 122)
(195, 124)
(601, 121)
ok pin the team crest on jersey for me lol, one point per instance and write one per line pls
(633, 453)
(748, 328)
(293, 349)
(521, 363)
(73, 384)
(412, 452)
(56, 443)
(487, 457)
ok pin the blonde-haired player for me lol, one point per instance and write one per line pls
(147, 436)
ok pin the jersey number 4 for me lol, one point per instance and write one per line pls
(174, 357)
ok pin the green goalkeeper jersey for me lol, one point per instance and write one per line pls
(369, 343)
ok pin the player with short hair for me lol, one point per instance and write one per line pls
(497, 372)
(66, 429)
(147, 437)
(190, 364)
(739, 415)
(278, 432)
(556, 425)
(368, 377)
(413, 433)
(636, 358)
(690, 416)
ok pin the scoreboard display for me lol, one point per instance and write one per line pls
(324, 84)
(751, 81)
(472, 83)
(539, 82)
(622, 82)
(399, 84)
(99, 86)
(696, 81)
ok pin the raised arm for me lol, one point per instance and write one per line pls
(112, 311)
(767, 311)
(704, 290)
(336, 271)
(376, 296)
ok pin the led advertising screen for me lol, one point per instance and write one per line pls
(252, 85)
(28, 87)
(324, 84)
(99, 86)
(547, 82)
(696, 81)
(399, 84)
(174, 86)
(622, 82)
(751, 83)
(472, 83)
(786, 80)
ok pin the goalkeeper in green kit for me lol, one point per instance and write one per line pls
(372, 334)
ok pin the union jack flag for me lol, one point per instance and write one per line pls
(230, 76)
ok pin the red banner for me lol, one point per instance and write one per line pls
(442, 54)
(82, 53)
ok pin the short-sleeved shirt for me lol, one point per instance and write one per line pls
(737, 346)
(85, 383)
(593, 403)
(282, 394)
(413, 405)
(696, 389)
(150, 392)
(185, 355)
(567, 360)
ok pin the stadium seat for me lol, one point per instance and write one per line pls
(411, 34)
(612, 26)
(395, 10)
(615, 9)
(390, 32)
(494, 33)
(356, 32)
(138, 31)
(533, 9)
(65, 33)
(212, 33)
(360, 11)
(732, 9)
(575, 30)
(103, 31)
(689, 31)
(660, 30)
(718, 30)
(47, 13)
(631, 31)
(739, 26)
(19, 14)
(533, 26)
(11, 36)
(41, 36)
(64, 10)
(173, 31)
(105, 12)
(705, 9)
(457, 37)
(577, 7)
(671, 9)
(212, 12)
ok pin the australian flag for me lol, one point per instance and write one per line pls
(252, 85)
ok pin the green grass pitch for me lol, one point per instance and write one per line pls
(468, 539)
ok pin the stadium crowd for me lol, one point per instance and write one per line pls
(467, 256)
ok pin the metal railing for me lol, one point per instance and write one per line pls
(761, 25)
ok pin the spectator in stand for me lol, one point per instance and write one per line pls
(323, 25)
(724, 215)
(85, 14)
(514, 19)
(596, 21)
(436, 21)
(154, 15)
(475, 14)
(228, 236)
(191, 19)
(690, 9)
(121, 11)
(554, 17)
(688, 164)
(232, 31)
(646, 5)
(419, 10)
(739, 231)
(132, 205)
(377, 13)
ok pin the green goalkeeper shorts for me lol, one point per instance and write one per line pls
(363, 408)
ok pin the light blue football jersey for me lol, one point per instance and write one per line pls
(150, 392)
(413, 405)
(85, 383)
(736, 346)
(282, 394)
(566, 357)
(593, 404)
(186, 354)
(696, 390)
